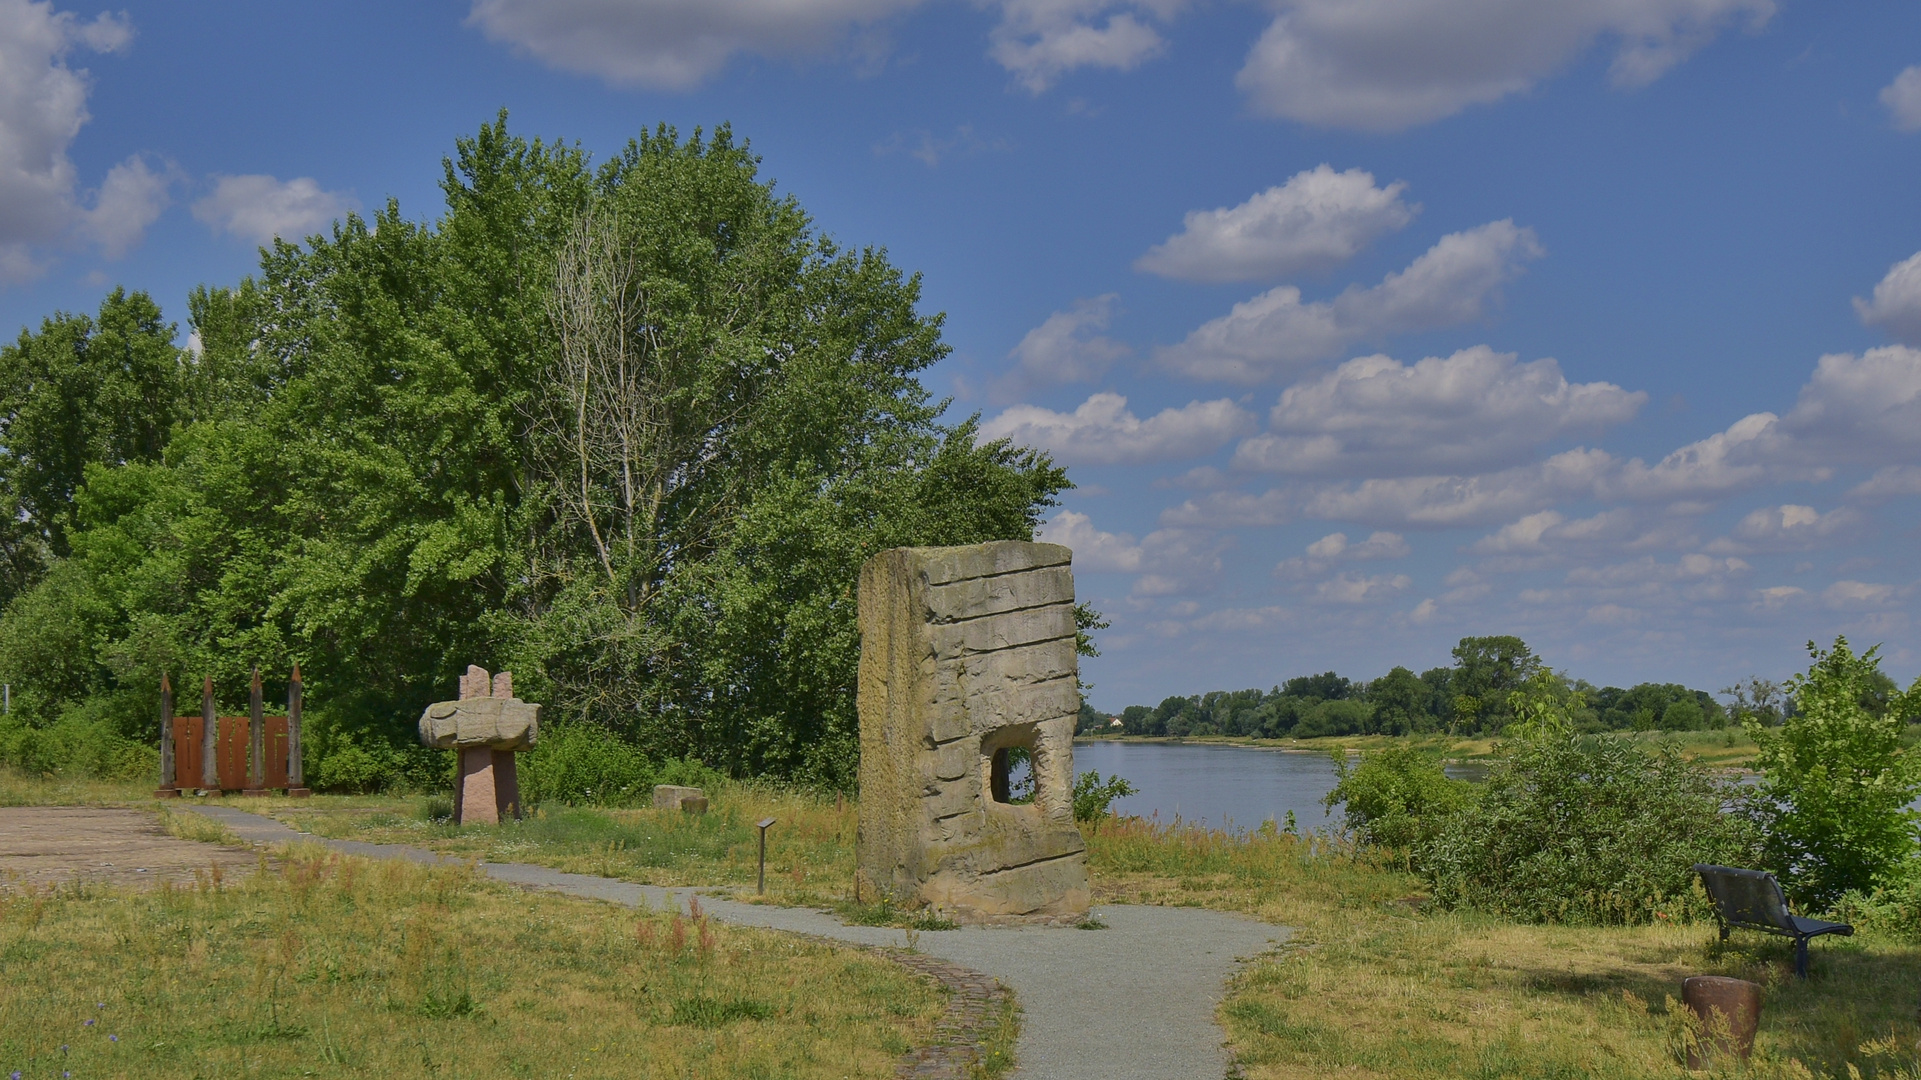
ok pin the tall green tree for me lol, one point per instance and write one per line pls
(80, 391)
(729, 425)
(1486, 671)
(1836, 781)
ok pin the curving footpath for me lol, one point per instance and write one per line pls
(1132, 1002)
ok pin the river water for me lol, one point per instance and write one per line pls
(1226, 787)
(1223, 787)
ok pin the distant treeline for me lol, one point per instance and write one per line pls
(1469, 698)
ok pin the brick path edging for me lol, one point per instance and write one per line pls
(975, 1001)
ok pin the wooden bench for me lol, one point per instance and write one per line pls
(1753, 900)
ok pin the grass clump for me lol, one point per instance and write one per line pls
(334, 966)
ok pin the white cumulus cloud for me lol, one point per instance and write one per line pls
(1334, 548)
(1385, 65)
(1277, 333)
(1449, 501)
(1094, 550)
(1041, 40)
(1896, 306)
(1864, 409)
(1863, 594)
(1360, 588)
(1903, 99)
(130, 199)
(1067, 346)
(260, 208)
(1317, 220)
(1476, 409)
(1103, 432)
(43, 106)
(1890, 482)
(1789, 527)
(670, 44)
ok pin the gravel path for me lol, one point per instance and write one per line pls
(1132, 1002)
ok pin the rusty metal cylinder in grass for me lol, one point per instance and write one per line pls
(1729, 1011)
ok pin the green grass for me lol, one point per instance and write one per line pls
(334, 966)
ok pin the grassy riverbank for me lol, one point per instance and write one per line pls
(1374, 983)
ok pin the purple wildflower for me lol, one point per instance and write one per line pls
(113, 1038)
(89, 1023)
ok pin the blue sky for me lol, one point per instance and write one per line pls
(1363, 324)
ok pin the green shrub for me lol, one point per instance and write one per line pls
(77, 745)
(1837, 779)
(583, 764)
(1587, 830)
(1892, 908)
(1396, 797)
(1093, 796)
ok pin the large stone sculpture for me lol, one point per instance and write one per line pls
(488, 726)
(967, 654)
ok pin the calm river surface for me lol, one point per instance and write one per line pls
(1224, 787)
(1235, 787)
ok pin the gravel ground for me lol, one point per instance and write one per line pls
(48, 846)
(1132, 1002)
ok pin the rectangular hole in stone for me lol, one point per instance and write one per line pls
(1011, 775)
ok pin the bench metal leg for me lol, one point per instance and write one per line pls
(1800, 958)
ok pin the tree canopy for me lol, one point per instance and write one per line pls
(628, 430)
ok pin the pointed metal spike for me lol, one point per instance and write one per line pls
(256, 676)
(296, 671)
(165, 686)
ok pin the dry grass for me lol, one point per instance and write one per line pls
(26, 789)
(810, 851)
(333, 966)
(1371, 985)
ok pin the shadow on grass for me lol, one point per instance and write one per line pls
(1858, 1007)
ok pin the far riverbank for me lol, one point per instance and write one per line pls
(1728, 748)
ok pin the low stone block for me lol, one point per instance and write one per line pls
(691, 800)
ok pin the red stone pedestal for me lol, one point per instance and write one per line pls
(1730, 1013)
(167, 793)
(298, 792)
(489, 788)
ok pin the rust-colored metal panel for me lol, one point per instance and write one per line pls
(276, 751)
(232, 762)
(186, 750)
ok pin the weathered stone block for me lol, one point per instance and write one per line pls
(968, 660)
(673, 797)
